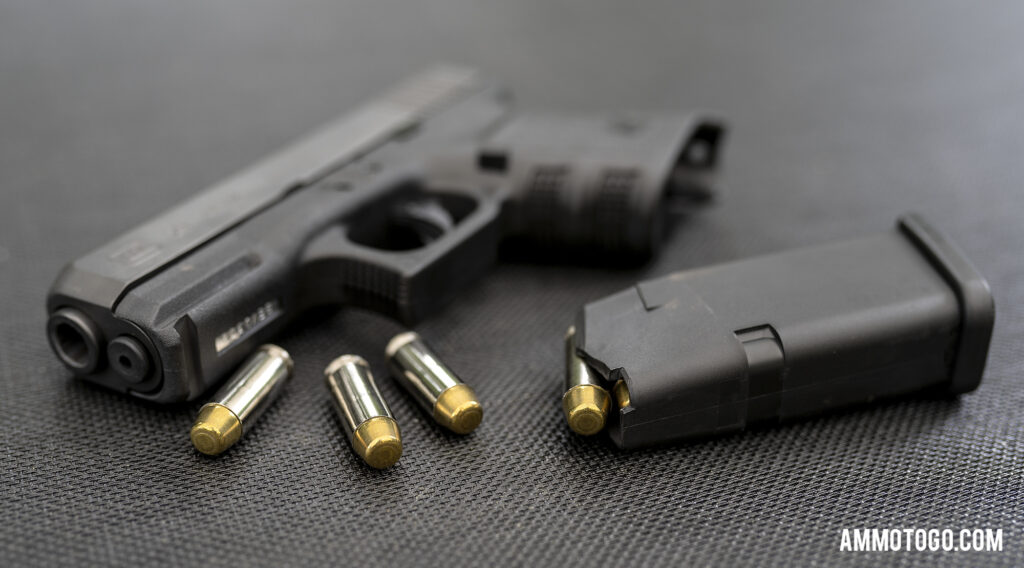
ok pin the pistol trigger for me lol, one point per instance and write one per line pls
(425, 218)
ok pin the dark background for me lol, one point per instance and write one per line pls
(842, 117)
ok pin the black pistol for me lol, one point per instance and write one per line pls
(395, 207)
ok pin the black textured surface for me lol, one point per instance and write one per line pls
(842, 118)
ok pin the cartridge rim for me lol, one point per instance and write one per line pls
(458, 409)
(378, 441)
(215, 430)
(586, 409)
(342, 361)
(399, 341)
(278, 351)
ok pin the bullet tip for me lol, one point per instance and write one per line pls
(586, 409)
(621, 393)
(383, 452)
(216, 429)
(378, 441)
(458, 409)
(586, 420)
(467, 417)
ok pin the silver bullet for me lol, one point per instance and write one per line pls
(451, 402)
(241, 401)
(368, 422)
